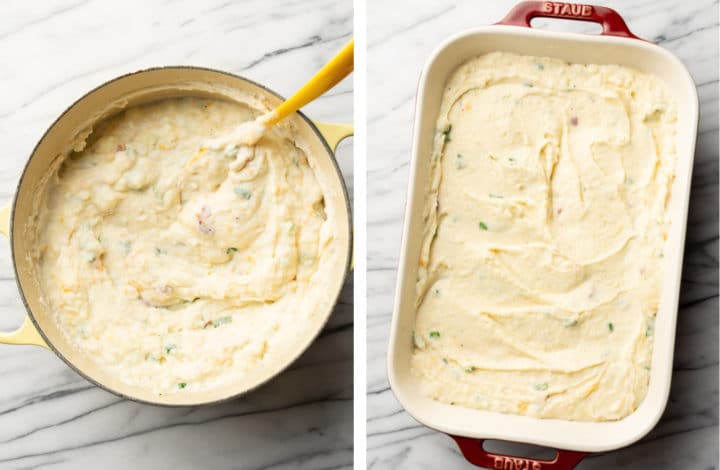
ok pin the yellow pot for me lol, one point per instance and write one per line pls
(18, 218)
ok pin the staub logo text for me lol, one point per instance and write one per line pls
(515, 463)
(567, 9)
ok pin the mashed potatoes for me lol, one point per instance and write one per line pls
(545, 225)
(179, 265)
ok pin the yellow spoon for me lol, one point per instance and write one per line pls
(247, 134)
(327, 77)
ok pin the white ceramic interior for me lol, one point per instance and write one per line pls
(577, 48)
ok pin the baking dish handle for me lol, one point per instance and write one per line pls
(473, 451)
(610, 20)
(26, 334)
(334, 133)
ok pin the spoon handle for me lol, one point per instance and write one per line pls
(327, 77)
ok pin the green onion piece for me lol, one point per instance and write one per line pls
(242, 192)
(446, 133)
(650, 327)
(222, 321)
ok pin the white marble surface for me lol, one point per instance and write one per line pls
(402, 34)
(53, 52)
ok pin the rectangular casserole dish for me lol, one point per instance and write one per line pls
(616, 45)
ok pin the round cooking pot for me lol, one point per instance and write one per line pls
(18, 218)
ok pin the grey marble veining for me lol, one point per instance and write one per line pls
(401, 37)
(53, 52)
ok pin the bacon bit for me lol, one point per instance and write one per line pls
(121, 147)
(559, 211)
(574, 121)
(202, 220)
(207, 323)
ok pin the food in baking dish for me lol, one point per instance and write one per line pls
(545, 224)
(182, 266)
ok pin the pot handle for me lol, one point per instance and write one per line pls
(334, 133)
(611, 21)
(473, 451)
(26, 334)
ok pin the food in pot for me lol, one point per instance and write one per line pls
(182, 265)
(545, 227)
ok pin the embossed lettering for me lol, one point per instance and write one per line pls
(501, 462)
(567, 9)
